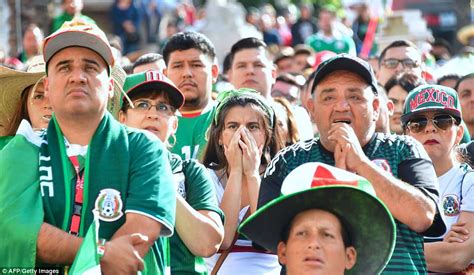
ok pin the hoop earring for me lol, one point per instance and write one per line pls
(173, 143)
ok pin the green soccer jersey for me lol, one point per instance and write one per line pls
(128, 173)
(4, 141)
(337, 43)
(191, 135)
(402, 156)
(194, 184)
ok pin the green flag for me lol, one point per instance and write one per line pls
(87, 260)
(21, 208)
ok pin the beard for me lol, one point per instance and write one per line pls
(192, 102)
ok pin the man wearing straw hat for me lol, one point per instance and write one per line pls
(88, 161)
(327, 221)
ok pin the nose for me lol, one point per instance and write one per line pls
(342, 105)
(430, 128)
(187, 73)
(314, 243)
(152, 113)
(249, 70)
(77, 76)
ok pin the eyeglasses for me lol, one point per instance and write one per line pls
(441, 122)
(145, 105)
(392, 63)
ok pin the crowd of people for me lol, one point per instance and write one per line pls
(300, 159)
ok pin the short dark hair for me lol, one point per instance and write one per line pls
(226, 64)
(346, 230)
(471, 75)
(246, 43)
(448, 77)
(189, 40)
(147, 58)
(408, 81)
(443, 43)
(396, 44)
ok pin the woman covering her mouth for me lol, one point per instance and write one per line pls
(432, 115)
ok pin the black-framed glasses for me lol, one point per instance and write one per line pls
(441, 122)
(392, 63)
(144, 106)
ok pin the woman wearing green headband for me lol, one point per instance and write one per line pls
(242, 140)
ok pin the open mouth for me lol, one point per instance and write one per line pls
(46, 117)
(347, 121)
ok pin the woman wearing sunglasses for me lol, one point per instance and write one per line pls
(432, 115)
(154, 101)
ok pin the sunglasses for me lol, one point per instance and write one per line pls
(392, 63)
(441, 122)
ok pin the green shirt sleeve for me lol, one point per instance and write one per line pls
(199, 188)
(151, 190)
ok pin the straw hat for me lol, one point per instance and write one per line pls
(114, 104)
(13, 83)
(465, 34)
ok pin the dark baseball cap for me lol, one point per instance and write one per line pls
(347, 63)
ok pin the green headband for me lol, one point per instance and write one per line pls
(224, 97)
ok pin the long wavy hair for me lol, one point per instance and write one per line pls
(214, 156)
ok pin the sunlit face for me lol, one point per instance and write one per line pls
(39, 110)
(398, 96)
(161, 123)
(344, 97)
(300, 63)
(438, 143)
(251, 68)
(315, 245)
(325, 20)
(285, 65)
(78, 83)
(399, 53)
(73, 6)
(32, 41)
(193, 73)
(248, 116)
(466, 98)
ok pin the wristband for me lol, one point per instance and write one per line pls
(101, 247)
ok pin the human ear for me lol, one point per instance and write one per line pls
(281, 252)
(351, 257)
(122, 117)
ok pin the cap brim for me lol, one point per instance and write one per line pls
(346, 64)
(176, 96)
(372, 227)
(455, 113)
(83, 39)
(13, 83)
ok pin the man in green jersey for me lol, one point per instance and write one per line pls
(89, 163)
(189, 59)
(328, 38)
(344, 105)
(71, 9)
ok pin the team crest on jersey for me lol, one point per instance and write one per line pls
(451, 205)
(383, 163)
(180, 184)
(109, 205)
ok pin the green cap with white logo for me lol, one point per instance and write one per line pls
(431, 98)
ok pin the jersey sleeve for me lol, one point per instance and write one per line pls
(199, 188)
(270, 187)
(151, 188)
(417, 170)
(467, 202)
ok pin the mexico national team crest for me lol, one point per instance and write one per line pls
(451, 205)
(109, 205)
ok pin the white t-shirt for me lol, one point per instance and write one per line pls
(242, 262)
(456, 194)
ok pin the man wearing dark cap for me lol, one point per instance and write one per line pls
(344, 105)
